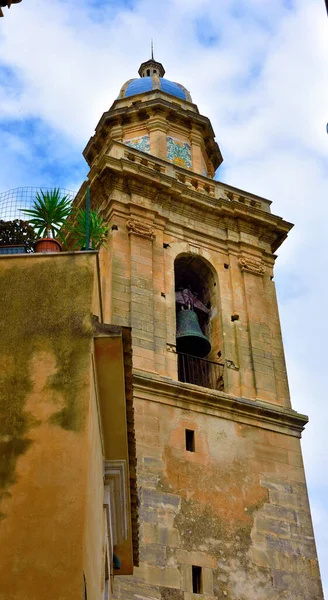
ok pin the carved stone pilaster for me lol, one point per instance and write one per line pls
(251, 265)
(141, 229)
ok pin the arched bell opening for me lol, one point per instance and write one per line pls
(197, 337)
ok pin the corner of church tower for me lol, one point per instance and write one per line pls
(223, 501)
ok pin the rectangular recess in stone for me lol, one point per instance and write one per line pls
(140, 143)
(190, 440)
(197, 580)
(178, 152)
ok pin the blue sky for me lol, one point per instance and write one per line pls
(257, 69)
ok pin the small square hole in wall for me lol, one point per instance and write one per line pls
(190, 440)
(197, 587)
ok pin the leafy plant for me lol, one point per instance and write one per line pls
(17, 232)
(98, 229)
(49, 213)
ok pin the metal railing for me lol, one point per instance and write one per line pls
(200, 371)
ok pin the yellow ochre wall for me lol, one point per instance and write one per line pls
(94, 538)
(47, 414)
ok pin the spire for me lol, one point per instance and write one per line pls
(151, 67)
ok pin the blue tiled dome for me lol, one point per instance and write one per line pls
(152, 78)
(146, 84)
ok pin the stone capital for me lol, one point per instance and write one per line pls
(158, 123)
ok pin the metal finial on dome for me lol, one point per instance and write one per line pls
(151, 67)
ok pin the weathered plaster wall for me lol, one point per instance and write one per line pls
(94, 535)
(237, 507)
(46, 340)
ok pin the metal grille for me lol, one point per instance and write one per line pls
(200, 371)
(13, 201)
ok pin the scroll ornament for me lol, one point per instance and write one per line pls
(139, 228)
(251, 265)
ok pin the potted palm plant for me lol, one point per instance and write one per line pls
(89, 230)
(49, 213)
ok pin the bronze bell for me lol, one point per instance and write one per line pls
(190, 338)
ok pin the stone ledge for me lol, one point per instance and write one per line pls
(163, 186)
(155, 388)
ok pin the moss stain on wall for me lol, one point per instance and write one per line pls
(46, 305)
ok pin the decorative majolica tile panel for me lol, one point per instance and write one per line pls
(140, 143)
(179, 152)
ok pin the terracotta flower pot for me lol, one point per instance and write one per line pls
(47, 245)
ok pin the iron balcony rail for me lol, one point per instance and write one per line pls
(200, 371)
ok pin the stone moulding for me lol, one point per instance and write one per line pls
(276, 418)
(118, 113)
(264, 223)
(251, 265)
(141, 229)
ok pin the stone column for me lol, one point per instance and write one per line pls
(157, 132)
(239, 331)
(160, 300)
(259, 318)
(117, 297)
(228, 304)
(116, 132)
(196, 152)
(142, 297)
(278, 355)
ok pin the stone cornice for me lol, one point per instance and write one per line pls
(158, 180)
(143, 111)
(153, 387)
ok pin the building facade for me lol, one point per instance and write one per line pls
(223, 502)
(67, 460)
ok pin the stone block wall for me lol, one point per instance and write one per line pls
(244, 323)
(237, 507)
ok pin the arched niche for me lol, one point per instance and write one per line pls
(196, 273)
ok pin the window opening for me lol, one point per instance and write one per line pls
(190, 440)
(197, 328)
(196, 580)
(148, 72)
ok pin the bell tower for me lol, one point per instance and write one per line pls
(223, 505)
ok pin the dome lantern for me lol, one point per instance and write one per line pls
(151, 67)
